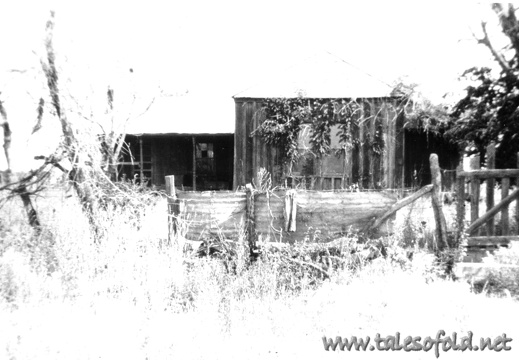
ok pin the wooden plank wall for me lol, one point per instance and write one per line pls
(364, 167)
(211, 213)
(320, 215)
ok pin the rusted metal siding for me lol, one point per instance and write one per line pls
(320, 215)
(211, 213)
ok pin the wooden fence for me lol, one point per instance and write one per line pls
(291, 215)
(282, 215)
(482, 230)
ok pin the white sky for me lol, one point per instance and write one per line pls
(216, 49)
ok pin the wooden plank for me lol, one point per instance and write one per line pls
(400, 204)
(372, 156)
(384, 159)
(141, 161)
(491, 240)
(193, 140)
(460, 204)
(504, 202)
(474, 191)
(494, 173)
(355, 151)
(505, 227)
(361, 137)
(173, 208)
(237, 145)
(517, 201)
(491, 164)
(398, 153)
(255, 142)
(250, 171)
(441, 224)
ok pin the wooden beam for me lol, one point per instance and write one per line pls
(460, 203)
(491, 162)
(173, 207)
(517, 202)
(194, 162)
(506, 201)
(141, 161)
(493, 173)
(505, 186)
(491, 240)
(441, 224)
(400, 204)
(475, 163)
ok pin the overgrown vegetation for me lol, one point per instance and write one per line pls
(137, 296)
(284, 119)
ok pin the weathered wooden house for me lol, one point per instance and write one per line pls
(182, 137)
(384, 152)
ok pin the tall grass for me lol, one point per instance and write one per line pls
(133, 296)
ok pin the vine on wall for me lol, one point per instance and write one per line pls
(285, 117)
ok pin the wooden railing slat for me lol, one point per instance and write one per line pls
(491, 240)
(505, 185)
(474, 192)
(491, 164)
(486, 174)
(504, 202)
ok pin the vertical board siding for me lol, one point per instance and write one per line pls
(361, 145)
(361, 164)
(248, 141)
(238, 138)
(371, 153)
(399, 146)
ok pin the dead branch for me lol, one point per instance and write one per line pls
(7, 135)
(509, 23)
(486, 41)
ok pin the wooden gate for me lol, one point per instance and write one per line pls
(483, 231)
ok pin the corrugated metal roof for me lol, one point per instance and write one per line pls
(185, 115)
(323, 75)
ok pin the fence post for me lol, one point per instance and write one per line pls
(505, 185)
(441, 224)
(460, 205)
(475, 164)
(173, 207)
(517, 200)
(250, 229)
(491, 164)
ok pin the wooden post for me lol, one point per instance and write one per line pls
(173, 207)
(505, 186)
(460, 205)
(441, 224)
(250, 228)
(141, 161)
(517, 200)
(194, 163)
(475, 164)
(491, 164)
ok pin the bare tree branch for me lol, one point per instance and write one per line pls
(486, 41)
(508, 22)
(7, 135)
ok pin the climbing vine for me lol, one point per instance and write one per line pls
(284, 119)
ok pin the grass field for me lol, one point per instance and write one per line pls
(132, 296)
